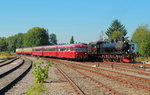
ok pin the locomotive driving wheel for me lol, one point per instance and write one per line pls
(114, 59)
(104, 58)
(120, 59)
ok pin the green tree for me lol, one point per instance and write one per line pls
(53, 39)
(142, 37)
(19, 38)
(72, 40)
(3, 44)
(117, 35)
(116, 26)
(14, 42)
(36, 36)
(11, 43)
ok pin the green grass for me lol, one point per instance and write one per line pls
(5, 54)
(139, 59)
(36, 89)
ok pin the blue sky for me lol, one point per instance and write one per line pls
(84, 19)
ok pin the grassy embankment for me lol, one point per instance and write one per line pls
(4, 54)
(139, 59)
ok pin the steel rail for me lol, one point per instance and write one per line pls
(6, 59)
(129, 70)
(11, 70)
(10, 61)
(135, 77)
(75, 87)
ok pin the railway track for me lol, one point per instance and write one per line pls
(8, 61)
(87, 85)
(131, 65)
(124, 81)
(122, 76)
(116, 68)
(127, 69)
(5, 70)
(75, 87)
(13, 75)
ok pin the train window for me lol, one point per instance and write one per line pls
(80, 49)
(50, 49)
(62, 49)
(93, 46)
(47, 49)
(37, 49)
(132, 48)
(67, 49)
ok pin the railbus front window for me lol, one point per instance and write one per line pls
(80, 49)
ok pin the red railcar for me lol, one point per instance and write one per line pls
(50, 51)
(37, 51)
(27, 51)
(73, 51)
(19, 50)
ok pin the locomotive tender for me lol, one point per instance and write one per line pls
(100, 50)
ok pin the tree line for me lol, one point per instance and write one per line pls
(35, 36)
(38, 36)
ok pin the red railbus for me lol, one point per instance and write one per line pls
(27, 51)
(50, 51)
(72, 51)
(19, 50)
(38, 51)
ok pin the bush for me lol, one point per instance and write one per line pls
(40, 71)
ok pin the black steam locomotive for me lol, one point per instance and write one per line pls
(111, 51)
